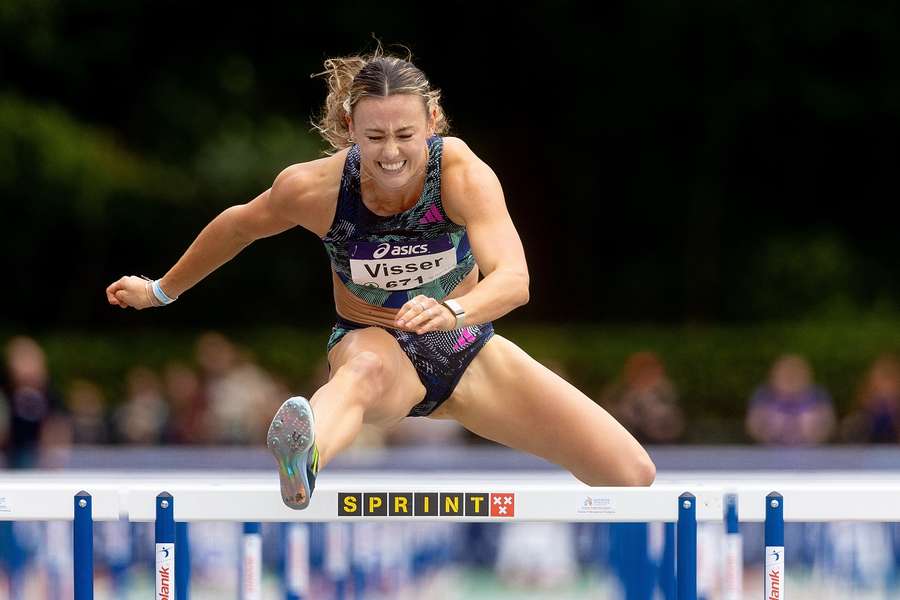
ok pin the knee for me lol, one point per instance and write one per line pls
(640, 472)
(368, 370)
(634, 471)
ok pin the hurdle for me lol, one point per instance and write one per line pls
(172, 500)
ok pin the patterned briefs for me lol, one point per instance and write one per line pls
(440, 357)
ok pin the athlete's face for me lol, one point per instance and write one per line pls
(391, 134)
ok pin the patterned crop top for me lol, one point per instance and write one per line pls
(386, 261)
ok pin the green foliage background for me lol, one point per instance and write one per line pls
(663, 162)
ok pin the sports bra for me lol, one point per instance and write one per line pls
(386, 261)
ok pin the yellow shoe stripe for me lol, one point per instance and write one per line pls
(314, 467)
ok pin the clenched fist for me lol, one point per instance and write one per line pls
(133, 292)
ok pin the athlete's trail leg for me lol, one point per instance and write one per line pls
(507, 396)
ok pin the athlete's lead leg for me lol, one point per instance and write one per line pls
(372, 381)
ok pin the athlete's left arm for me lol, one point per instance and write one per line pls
(472, 196)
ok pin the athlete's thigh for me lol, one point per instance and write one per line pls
(400, 384)
(507, 396)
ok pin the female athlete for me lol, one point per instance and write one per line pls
(409, 219)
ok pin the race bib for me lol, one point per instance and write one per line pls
(396, 266)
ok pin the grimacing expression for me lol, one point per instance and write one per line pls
(391, 132)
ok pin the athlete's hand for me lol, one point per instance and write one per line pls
(131, 291)
(423, 314)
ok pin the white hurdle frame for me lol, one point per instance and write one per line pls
(254, 497)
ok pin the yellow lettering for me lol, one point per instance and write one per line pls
(400, 504)
(350, 504)
(374, 503)
(477, 500)
(451, 501)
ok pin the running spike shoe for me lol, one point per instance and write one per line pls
(291, 439)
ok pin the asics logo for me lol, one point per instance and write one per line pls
(385, 248)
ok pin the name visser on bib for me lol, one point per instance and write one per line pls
(401, 265)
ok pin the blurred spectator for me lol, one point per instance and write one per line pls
(142, 418)
(645, 401)
(876, 417)
(790, 409)
(241, 396)
(35, 410)
(55, 443)
(188, 421)
(87, 405)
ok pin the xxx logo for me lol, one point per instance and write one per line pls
(503, 505)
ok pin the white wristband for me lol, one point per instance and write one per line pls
(160, 294)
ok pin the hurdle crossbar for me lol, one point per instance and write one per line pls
(251, 497)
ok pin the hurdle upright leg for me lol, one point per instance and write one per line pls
(83, 547)
(165, 546)
(686, 560)
(774, 575)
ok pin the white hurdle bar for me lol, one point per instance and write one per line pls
(342, 497)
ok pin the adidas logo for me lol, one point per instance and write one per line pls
(432, 215)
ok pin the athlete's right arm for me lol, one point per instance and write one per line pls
(235, 228)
